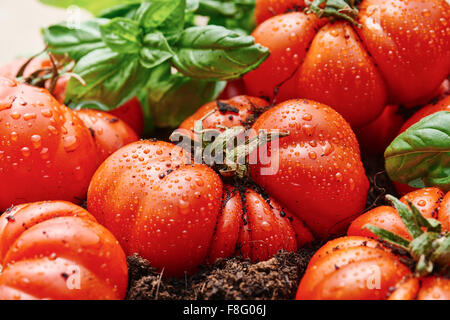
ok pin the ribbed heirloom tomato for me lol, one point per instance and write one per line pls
(179, 215)
(130, 112)
(46, 152)
(359, 267)
(57, 250)
(393, 51)
(316, 166)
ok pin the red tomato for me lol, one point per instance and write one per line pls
(359, 268)
(237, 111)
(130, 112)
(319, 162)
(375, 137)
(265, 9)
(109, 132)
(234, 88)
(429, 201)
(399, 54)
(46, 151)
(319, 166)
(442, 105)
(178, 215)
(56, 250)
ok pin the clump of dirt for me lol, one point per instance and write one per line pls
(227, 279)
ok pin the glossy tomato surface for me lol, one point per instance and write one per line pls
(179, 215)
(376, 136)
(130, 112)
(109, 132)
(430, 201)
(46, 152)
(359, 268)
(56, 250)
(399, 53)
(315, 168)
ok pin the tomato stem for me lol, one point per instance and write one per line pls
(336, 9)
(225, 149)
(430, 249)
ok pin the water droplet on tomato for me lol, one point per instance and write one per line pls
(14, 136)
(29, 116)
(44, 153)
(25, 151)
(70, 143)
(52, 130)
(15, 115)
(36, 141)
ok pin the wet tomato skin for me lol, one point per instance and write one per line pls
(376, 136)
(359, 268)
(130, 112)
(430, 201)
(319, 162)
(43, 244)
(265, 9)
(317, 166)
(180, 215)
(339, 270)
(399, 55)
(344, 272)
(158, 205)
(109, 132)
(288, 38)
(43, 143)
(244, 109)
(248, 223)
(442, 105)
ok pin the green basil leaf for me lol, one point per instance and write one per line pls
(94, 6)
(122, 35)
(213, 52)
(63, 38)
(155, 50)
(111, 78)
(217, 7)
(123, 10)
(420, 156)
(237, 15)
(175, 22)
(174, 97)
(152, 14)
(192, 5)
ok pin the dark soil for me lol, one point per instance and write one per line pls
(229, 279)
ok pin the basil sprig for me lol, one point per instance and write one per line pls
(119, 54)
(420, 156)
